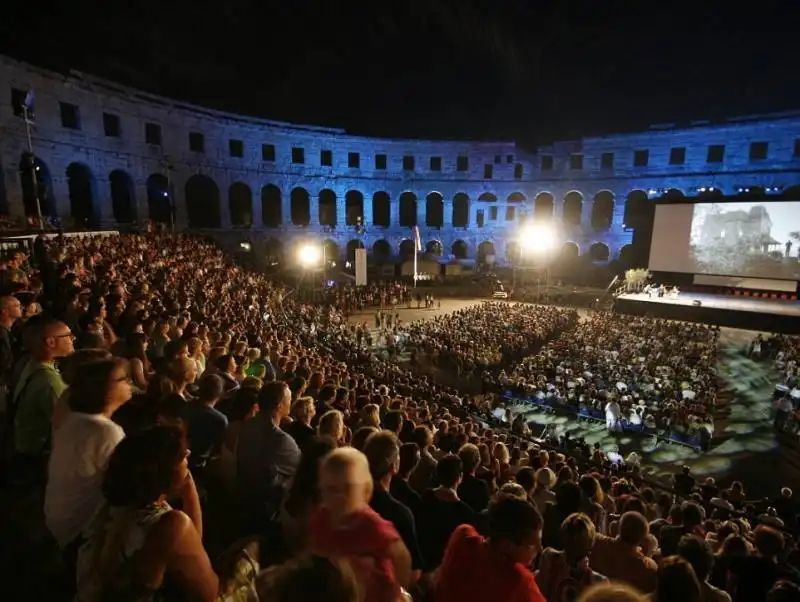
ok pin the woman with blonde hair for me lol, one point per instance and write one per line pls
(332, 425)
(302, 412)
(195, 349)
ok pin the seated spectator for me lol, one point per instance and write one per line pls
(205, 425)
(677, 582)
(621, 559)
(302, 413)
(138, 546)
(751, 577)
(692, 517)
(400, 489)
(302, 579)
(564, 575)
(81, 450)
(473, 491)
(423, 476)
(475, 569)
(442, 511)
(697, 553)
(613, 592)
(344, 526)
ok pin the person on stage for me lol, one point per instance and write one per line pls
(613, 412)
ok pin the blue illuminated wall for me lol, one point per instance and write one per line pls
(133, 145)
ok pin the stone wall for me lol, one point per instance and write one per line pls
(502, 182)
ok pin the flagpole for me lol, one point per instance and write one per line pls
(33, 167)
(415, 264)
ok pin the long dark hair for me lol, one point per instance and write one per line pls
(304, 491)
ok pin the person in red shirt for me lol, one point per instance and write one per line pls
(345, 527)
(475, 569)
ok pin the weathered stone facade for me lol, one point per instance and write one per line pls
(110, 153)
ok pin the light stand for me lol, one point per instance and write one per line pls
(33, 164)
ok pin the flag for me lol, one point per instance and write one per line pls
(417, 239)
(29, 98)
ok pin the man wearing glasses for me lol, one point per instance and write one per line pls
(37, 391)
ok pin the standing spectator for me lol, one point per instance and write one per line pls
(621, 559)
(424, 474)
(697, 553)
(474, 491)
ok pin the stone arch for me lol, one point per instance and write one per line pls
(486, 252)
(381, 210)
(80, 184)
(43, 188)
(271, 206)
(573, 208)
(516, 197)
(460, 249)
(300, 207)
(202, 202)
(626, 255)
(382, 250)
(635, 208)
(406, 248)
(543, 207)
(408, 210)
(240, 204)
(350, 251)
(354, 208)
(461, 210)
(330, 249)
(570, 251)
(711, 194)
(487, 197)
(123, 196)
(602, 210)
(673, 194)
(599, 252)
(434, 210)
(274, 250)
(434, 247)
(159, 201)
(327, 208)
(791, 193)
(513, 252)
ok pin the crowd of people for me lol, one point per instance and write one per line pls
(167, 403)
(653, 374)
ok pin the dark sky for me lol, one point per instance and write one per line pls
(531, 70)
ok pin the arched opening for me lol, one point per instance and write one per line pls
(461, 210)
(406, 249)
(331, 250)
(753, 193)
(673, 194)
(486, 252)
(354, 208)
(159, 204)
(792, 193)
(202, 202)
(43, 188)
(273, 250)
(626, 256)
(460, 250)
(327, 208)
(240, 204)
(435, 248)
(543, 206)
(271, 206)
(434, 210)
(123, 202)
(711, 194)
(381, 251)
(513, 252)
(81, 195)
(381, 210)
(351, 249)
(573, 208)
(570, 251)
(487, 197)
(599, 252)
(635, 209)
(602, 210)
(300, 207)
(516, 197)
(408, 210)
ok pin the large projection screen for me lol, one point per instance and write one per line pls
(746, 239)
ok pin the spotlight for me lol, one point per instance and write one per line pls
(537, 238)
(309, 255)
(246, 246)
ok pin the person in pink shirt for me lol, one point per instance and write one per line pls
(344, 526)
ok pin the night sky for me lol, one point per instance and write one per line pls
(530, 70)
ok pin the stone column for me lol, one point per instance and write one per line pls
(422, 204)
(258, 218)
(102, 206)
(313, 210)
(140, 201)
(448, 213)
(394, 211)
(341, 211)
(225, 207)
(11, 186)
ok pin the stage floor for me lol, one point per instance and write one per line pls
(764, 315)
(762, 306)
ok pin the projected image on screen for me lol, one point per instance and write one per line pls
(759, 239)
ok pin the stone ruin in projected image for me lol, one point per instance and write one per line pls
(108, 154)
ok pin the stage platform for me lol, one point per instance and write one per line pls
(735, 312)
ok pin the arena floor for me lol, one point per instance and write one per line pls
(744, 442)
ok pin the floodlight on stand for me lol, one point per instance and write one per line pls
(309, 255)
(537, 238)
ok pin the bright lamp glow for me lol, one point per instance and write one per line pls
(537, 238)
(309, 255)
